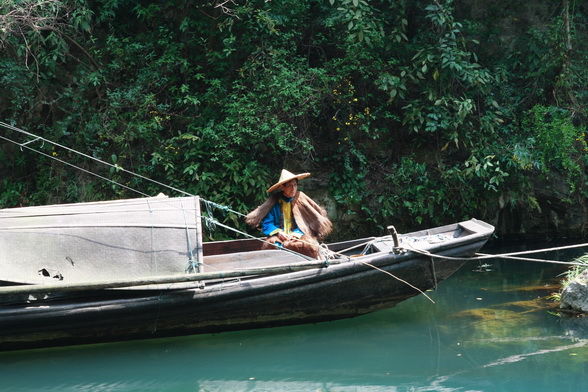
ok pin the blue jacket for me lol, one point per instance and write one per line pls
(272, 223)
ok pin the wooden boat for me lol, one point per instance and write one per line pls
(136, 269)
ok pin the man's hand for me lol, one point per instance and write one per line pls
(283, 237)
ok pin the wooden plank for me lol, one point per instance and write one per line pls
(231, 246)
(112, 284)
(253, 259)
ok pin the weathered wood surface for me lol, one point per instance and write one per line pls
(158, 280)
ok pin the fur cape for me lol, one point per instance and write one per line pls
(309, 216)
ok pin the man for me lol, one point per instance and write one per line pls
(290, 218)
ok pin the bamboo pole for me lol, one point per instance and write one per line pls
(167, 279)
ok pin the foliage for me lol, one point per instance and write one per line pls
(416, 112)
(13, 90)
(420, 195)
(556, 142)
(40, 32)
(575, 271)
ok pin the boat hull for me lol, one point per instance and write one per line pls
(363, 285)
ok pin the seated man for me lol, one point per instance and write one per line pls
(290, 218)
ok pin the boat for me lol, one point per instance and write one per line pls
(139, 269)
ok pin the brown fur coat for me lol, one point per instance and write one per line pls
(309, 216)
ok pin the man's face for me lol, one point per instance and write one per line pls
(290, 188)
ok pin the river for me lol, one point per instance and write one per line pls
(490, 328)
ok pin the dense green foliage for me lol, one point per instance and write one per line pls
(420, 112)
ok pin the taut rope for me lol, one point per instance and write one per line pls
(511, 256)
(212, 221)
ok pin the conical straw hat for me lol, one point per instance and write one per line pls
(285, 177)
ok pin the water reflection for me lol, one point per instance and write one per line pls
(487, 331)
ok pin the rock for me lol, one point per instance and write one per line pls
(575, 295)
(576, 326)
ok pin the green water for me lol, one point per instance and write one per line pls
(486, 331)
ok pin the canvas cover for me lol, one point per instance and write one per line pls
(99, 241)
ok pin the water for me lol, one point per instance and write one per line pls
(486, 331)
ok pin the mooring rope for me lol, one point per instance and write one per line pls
(116, 167)
(214, 222)
(25, 145)
(397, 278)
(210, 221)
(484, 256)
(208, 203)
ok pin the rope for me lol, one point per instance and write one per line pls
(192, 264)
(397, 278)
(527, 252)
(116, 167)
(154, 260)
(212, 222)
(72, 165)
(221, 207)
(484, 256)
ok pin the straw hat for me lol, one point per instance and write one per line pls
(285, 177)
